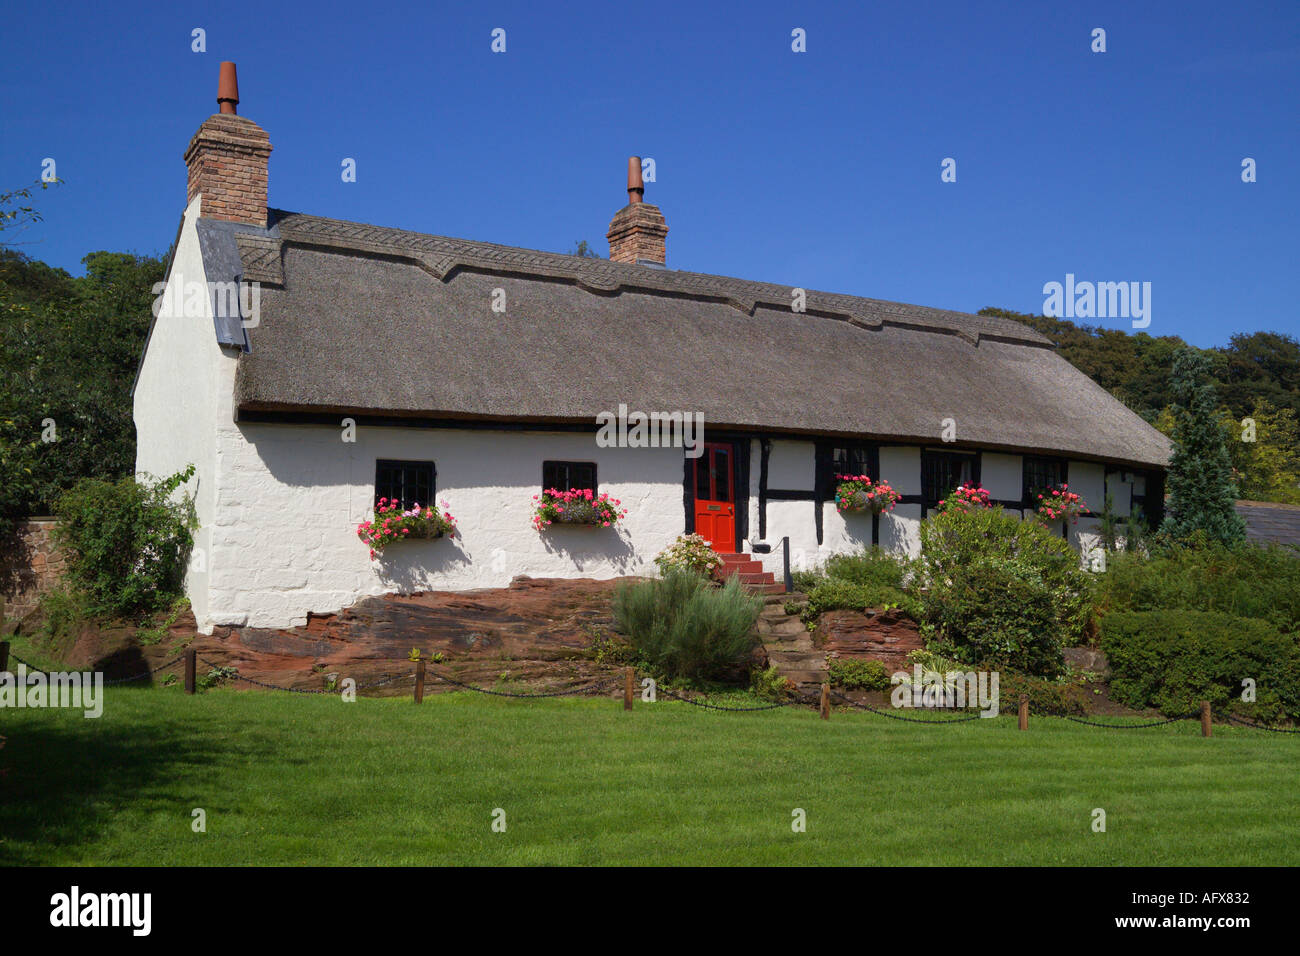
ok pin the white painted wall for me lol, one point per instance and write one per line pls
(285, 540)
(901, 467)
(1088, 479)
(175, 401)
(791, 466)
(1002, 475)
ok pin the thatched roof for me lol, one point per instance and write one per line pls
(375, 321)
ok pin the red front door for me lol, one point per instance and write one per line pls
(715, 498)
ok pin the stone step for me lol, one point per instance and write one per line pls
(795, 596)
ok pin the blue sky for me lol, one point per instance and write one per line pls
(817, 169)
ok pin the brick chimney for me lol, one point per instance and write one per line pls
(227, 160)
(638, 230)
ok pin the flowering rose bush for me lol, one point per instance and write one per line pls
(391, 524)
(1061, 504)
(690, 552)
(968, 497)
(579, 506)
(860, 493)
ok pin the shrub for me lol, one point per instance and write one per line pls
(64, 612)
(853, 674)
(805, 581)
(766, 683)
(690, 552)
(1173, 659)
(1044, 696)
(1242, 581)
(867, 567)
(128, 541)
(997, 613)
(685, 627)
(836, 594)
(953, 544)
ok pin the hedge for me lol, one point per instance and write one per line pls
(1173, 659)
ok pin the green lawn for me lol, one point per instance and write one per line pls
(289, 779)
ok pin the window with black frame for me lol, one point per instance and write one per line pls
(407, 482)
(943, 471)
(1040, 474)
(851, 460)
(569, 476)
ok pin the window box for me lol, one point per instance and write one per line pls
(580, 507)
(859, 494)
(394, 523)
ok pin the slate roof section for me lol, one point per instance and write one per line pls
(371, 320)
(1268, 521)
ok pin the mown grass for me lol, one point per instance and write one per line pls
(311, 780)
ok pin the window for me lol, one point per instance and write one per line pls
(942, 471)
(410, 482)
(852, 460)
(1041, 474)
(569, 475)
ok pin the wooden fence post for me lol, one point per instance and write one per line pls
(826, 701)
(1205, 718)
(191, 666)
(1024, 713)
(419, 682)
(4, 656)
(629, 680)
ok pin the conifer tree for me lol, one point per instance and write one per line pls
(1202, 493)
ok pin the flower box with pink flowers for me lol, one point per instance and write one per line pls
(1061, 504)
(393, 523)
(858, 493)
(967, 497)
(577, 507)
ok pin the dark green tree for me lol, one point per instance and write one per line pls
(1201, 490)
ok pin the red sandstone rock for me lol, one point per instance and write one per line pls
(886, 637)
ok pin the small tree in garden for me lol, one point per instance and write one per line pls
(128, 541)
(1202, 493)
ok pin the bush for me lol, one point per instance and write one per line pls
(972, 562)
(1173, 659)
(999, 614)
(1044, 696)
(867, 567)
(835, 594)
(128, 541)
(766, 683)
(1242, 581)
(854, 674)
(690, 552)
(685, 627)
